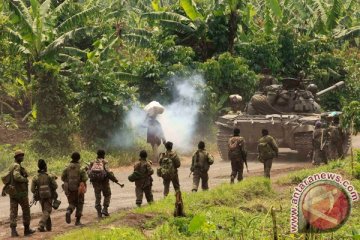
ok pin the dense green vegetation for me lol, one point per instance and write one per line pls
(240, 211)
(74, 68)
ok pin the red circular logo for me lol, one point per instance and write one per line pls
(326, 206)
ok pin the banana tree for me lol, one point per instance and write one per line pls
(43, 32)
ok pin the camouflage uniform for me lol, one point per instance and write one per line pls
(268, 162)
(319, 146)
(76, 200)
(21, 198)
(175, 179)
(103, 187)
(144, 184)
(335, 142)
(236, 157)
(43, 178)
(200, 165)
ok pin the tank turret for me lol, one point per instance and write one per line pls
(336, 85)
(288, 110)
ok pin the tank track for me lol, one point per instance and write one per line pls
(303, 143)
(223, 136)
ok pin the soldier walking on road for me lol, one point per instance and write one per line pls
(16, 185)
(237, 155)
(44, 186)
(319, 143)
(200, 166)
(74, 186)
(267, 149)
(335, 134)
(100, 174)
(169, 164)
(143, 182)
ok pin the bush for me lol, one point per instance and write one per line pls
(227, 75)
(102, 103)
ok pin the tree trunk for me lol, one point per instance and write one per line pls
(52, 123)
(233, 27)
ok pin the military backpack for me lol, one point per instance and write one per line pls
(44, 186)
(8, 181)
(265, 151)
(73, 173)
(166, 169)
(97, 172)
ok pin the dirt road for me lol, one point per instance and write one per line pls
(124, 198)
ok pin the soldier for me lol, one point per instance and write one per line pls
(237, 155)
(144, 183)
(74, 186)
(169, 163)
(155, 135)
(200, 165)
(18, 193)
(319, 144)
(267, 149)
(335, 135)
(100, 174)
(44, 186)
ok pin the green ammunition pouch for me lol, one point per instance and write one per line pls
(135, 176)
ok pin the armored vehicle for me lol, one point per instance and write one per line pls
(289, 111)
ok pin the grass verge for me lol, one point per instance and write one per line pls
(239, 211)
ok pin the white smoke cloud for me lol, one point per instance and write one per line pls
(180, 117)
(178, 120)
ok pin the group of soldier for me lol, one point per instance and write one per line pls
(327, 141)
(74, 177)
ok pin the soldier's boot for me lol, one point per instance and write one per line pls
(105, 211)
(98, 210)
(27, 230)
(138, 204)
(68, 216)
(194, 190)
(48, 225)
(14, 233)
(41, 229)
(232, 180)
(78, 222)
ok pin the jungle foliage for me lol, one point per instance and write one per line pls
(71, 66)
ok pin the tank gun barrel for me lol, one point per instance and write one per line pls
(336, 85)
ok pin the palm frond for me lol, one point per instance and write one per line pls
(165, 16)
(275, 7)
(334, 15)
(67, 58)
(112, 41)
(177, 27)
(45, 7)
(137, 40)
(320, 11)
(63, 39)
(189, 7)
(77, 19)
(14, 36)
(19, 8)
(350, 33)
(139, 31)
(61, 9)
(72, 51)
